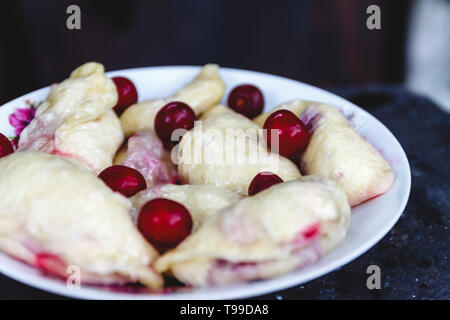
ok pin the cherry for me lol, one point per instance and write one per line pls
(127, 94)
(164, 223)
(292, 134)
(174, 115)
(6, 146)
(263, 181)
(247, 100)
(123, 179)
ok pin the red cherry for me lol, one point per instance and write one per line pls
(174, 115)
(164, 223)
(292, 134)
(127, 94)
(263, 181)
(6, 146)
(247, 100)
(125, 180)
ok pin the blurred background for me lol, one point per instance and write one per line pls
(322, 42)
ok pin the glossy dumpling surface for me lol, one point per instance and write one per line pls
(77, 120)
(202, 93)
(338, 152)
(227, 150)
(283, 228)
(55, 213)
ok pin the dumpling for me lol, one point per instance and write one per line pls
(280, 229)
(77, 120)
(204, 92)
(145, 152)
(226, 149)
(201, 201)
(338, 152)
(55, 213)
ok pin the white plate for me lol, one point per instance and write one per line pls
(370, 221)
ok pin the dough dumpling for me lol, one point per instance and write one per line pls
(55, 213)
(77, 120)
(201, 201)
(338, 152)
(145, 152)
(278, 230)
(227, 150)
(204, 92)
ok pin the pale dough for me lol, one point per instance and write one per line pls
(55, 213)
(201, 201)
(227, 151)
(283, 228)
(77, 120)
(204, 92)
(145, 152)
(338, 152)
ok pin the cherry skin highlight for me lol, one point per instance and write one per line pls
(164, 223)
(123, 179)
(127, 94)
(247, 100)
(292, 134)
(6, 146)
(173, 116)
(263, 181)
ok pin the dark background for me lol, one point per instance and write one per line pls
(321, 42)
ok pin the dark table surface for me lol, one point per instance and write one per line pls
(413, 256)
